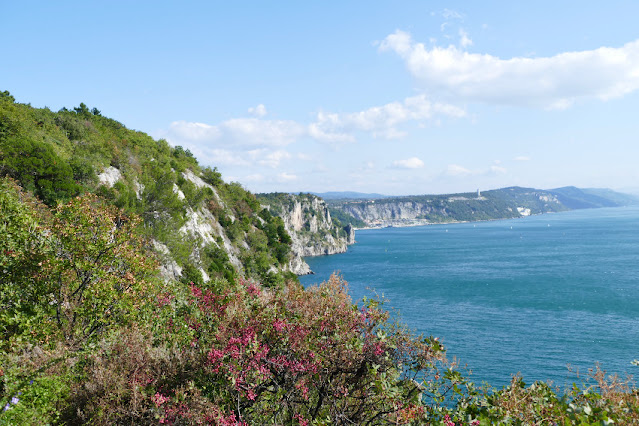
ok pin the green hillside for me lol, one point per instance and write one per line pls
(59, 155)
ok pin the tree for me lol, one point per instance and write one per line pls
(6, 95)
(23, 248)
(80, 269)
(99, 272)
(38, 168)
(82, 110)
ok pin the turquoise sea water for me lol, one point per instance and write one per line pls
(526, 295)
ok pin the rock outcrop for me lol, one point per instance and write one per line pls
(308, 221)
(400, 213)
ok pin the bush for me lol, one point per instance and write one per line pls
(39, 169)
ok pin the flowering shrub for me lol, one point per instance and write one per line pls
(251, 355)
(303, 355)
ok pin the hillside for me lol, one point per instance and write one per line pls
(201, 226)
(503, 203)
(588, 198)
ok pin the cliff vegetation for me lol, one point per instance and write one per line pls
(309, 222)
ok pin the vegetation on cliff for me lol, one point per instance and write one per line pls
(92, 332)
(309, 221)
(59, 155)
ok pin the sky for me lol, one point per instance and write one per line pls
(393, 97)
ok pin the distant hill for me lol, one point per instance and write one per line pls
(505, 203)
(621, 198)
(575, 198)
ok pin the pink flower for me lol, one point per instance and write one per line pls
(279, 325)
(253, 290)
(301, 420)
(159, 399)
(250, 395)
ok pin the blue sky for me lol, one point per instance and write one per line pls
(403, 97)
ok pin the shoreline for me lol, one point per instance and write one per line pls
(410, 225)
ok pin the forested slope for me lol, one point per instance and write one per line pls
(222, 228)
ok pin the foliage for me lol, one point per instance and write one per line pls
(83, 270)
(24, 246)
(38, 168)
(98, 275)
(89, 335)
(599, 400)
(35, 382)
(228, 351)
(346, 219)
(248, 355)
(59, 155)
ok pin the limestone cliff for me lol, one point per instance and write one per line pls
(425, 209)
(308, 221)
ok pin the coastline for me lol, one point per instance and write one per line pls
(426, 223)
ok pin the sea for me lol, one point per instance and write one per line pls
(546, 296)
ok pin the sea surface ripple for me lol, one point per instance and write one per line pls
(530, 295)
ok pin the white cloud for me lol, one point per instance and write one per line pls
(464, 40)
(369, 165)
(258, 111)
(218, 156)
(253, 178)
(259, 144)
(248, 132)
(253, 131)
(184, 130)
(550, 82)
(452, 14)
(456, 170)
(286, 177)
(273, 159)
(238, 140)
(380, 121)
(327, 128)
(410, 163)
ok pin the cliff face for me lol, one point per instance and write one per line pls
(421, 210)
(308, 221)
(390, 214)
